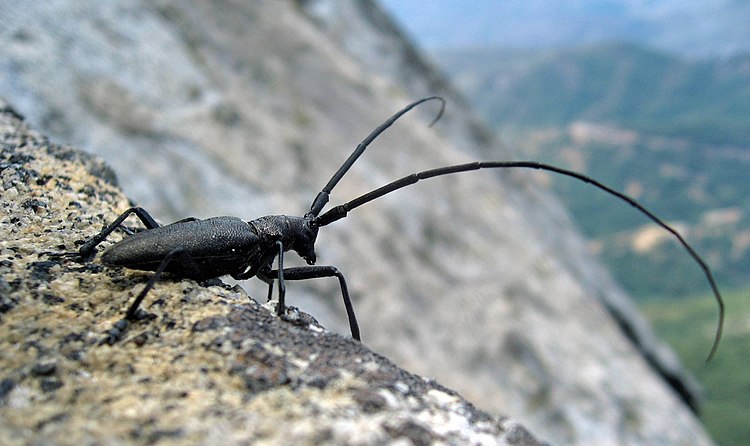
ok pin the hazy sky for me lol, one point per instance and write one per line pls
(690, 27)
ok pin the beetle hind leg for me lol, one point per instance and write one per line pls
(88, 249)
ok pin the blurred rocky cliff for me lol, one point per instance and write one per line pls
(247, 108)
(209, 365)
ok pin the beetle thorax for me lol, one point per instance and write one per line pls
(295, 233)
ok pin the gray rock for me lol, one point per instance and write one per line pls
(210, 366)
(247, 108)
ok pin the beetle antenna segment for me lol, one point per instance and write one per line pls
(341, 211)
(322, 198)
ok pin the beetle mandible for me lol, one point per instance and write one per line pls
(210, 248)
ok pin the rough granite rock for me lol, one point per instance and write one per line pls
(210, 366)
(246, 108)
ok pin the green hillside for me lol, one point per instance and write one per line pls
(674, 134)
(625, 84)
(688, 327)
(701, 189)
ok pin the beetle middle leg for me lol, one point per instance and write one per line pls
(187, 264)
(268, 276)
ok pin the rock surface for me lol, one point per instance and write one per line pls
(247, 108)
(210, 366)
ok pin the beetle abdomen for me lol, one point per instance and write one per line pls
(217, 246)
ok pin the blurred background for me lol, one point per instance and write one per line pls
(653, 97)
(481, 281)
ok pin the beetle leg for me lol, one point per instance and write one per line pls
(281, 307)
(314, 272)
(267, 275)
(88, 249)
(264, 274)
(189, 268)
(186, 261)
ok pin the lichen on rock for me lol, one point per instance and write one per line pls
(211, 366)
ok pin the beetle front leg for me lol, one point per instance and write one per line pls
(314, 272)
(281, 307)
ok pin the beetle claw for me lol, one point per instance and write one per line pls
(74, 256)
(140, 315)
(115, 333)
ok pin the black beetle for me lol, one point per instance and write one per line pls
(205, 249)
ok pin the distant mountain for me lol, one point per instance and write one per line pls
(673, 133)
(698, 29)
(618, 83)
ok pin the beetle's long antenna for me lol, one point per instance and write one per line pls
(322, 198)
(340, 211)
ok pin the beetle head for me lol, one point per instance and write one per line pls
(304, 242)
